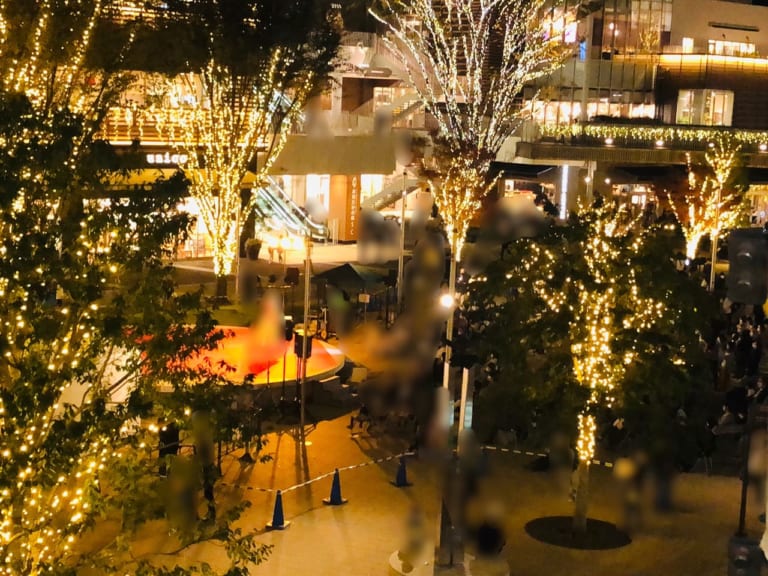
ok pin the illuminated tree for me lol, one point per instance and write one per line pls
(713, 202)
(247, 101)
(589, 325)
(468, 61)
(90, 322)
(51, 51)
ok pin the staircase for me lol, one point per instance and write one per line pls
(390, 193)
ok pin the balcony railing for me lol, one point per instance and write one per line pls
(652, 136)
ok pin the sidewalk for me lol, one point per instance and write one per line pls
(358, 538)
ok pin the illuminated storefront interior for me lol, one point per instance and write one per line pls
(705, 107)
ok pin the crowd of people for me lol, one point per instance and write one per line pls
(736, 356)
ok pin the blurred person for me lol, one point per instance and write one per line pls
(627, 471)
(168, 443)
(490, 535)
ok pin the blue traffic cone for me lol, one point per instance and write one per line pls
(401, 478)
(278, 518)
(335, 498)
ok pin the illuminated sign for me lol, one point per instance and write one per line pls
(167, 158)
(353, 206)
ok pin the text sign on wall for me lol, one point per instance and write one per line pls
(353, 206)
(167, 158)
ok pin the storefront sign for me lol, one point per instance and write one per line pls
(167, 159)
(353, 206)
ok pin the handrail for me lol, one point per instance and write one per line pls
(295, 207)
(288, 211)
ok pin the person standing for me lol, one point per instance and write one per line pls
(205, 460)
(168, 444)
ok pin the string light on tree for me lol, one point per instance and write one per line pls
(708, 207)
(444, 47)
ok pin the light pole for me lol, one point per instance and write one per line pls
(448, 301)
(305, 338)
(715, 234)
(401, 255)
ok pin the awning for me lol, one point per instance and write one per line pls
(337, 155)
(351, 277)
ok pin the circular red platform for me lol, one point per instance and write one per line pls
(239, 355)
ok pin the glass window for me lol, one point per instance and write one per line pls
(687, 45)
(705, 107)
(370, 185)
(726, 48)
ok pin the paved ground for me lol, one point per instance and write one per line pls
(359, 537)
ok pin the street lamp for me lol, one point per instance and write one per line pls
(404, 155)
(447, 301)
(315, 215)
(401, 254)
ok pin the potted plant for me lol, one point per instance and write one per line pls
(252, 248)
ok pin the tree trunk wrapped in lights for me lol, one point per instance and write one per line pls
(598, 303)
(220, 136)
(468, 60)
(712, 203)
(262, 67)
(547, 320)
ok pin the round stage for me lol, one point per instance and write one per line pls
(241, 354)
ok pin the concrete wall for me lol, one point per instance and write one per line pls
(691, 19)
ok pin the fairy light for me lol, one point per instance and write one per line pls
(708, 207)
(217, 139)
(585, 445)
(446, 61)
(614, 133)
(591, 301)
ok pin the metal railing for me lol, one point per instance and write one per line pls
(651, 136)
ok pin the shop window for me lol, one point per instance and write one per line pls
(705, 107)
(726, 48)
(370, 185)
(383, 96)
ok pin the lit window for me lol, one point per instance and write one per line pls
(687, 45)
(705, 107)
(726, 48)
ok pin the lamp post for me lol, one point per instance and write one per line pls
(404, 155)
(401, 255)
(448, 301)
(307, 281)
(715, 234)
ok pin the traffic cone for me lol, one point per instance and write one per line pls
(335, 498)
(278, 518)
(401, 478)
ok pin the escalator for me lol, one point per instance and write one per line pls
(272, 202)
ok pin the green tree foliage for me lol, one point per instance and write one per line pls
(522, 311)
(89, 317)
(90, 322)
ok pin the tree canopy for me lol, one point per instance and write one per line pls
(527, 311)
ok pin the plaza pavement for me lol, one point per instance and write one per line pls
(357, 538)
